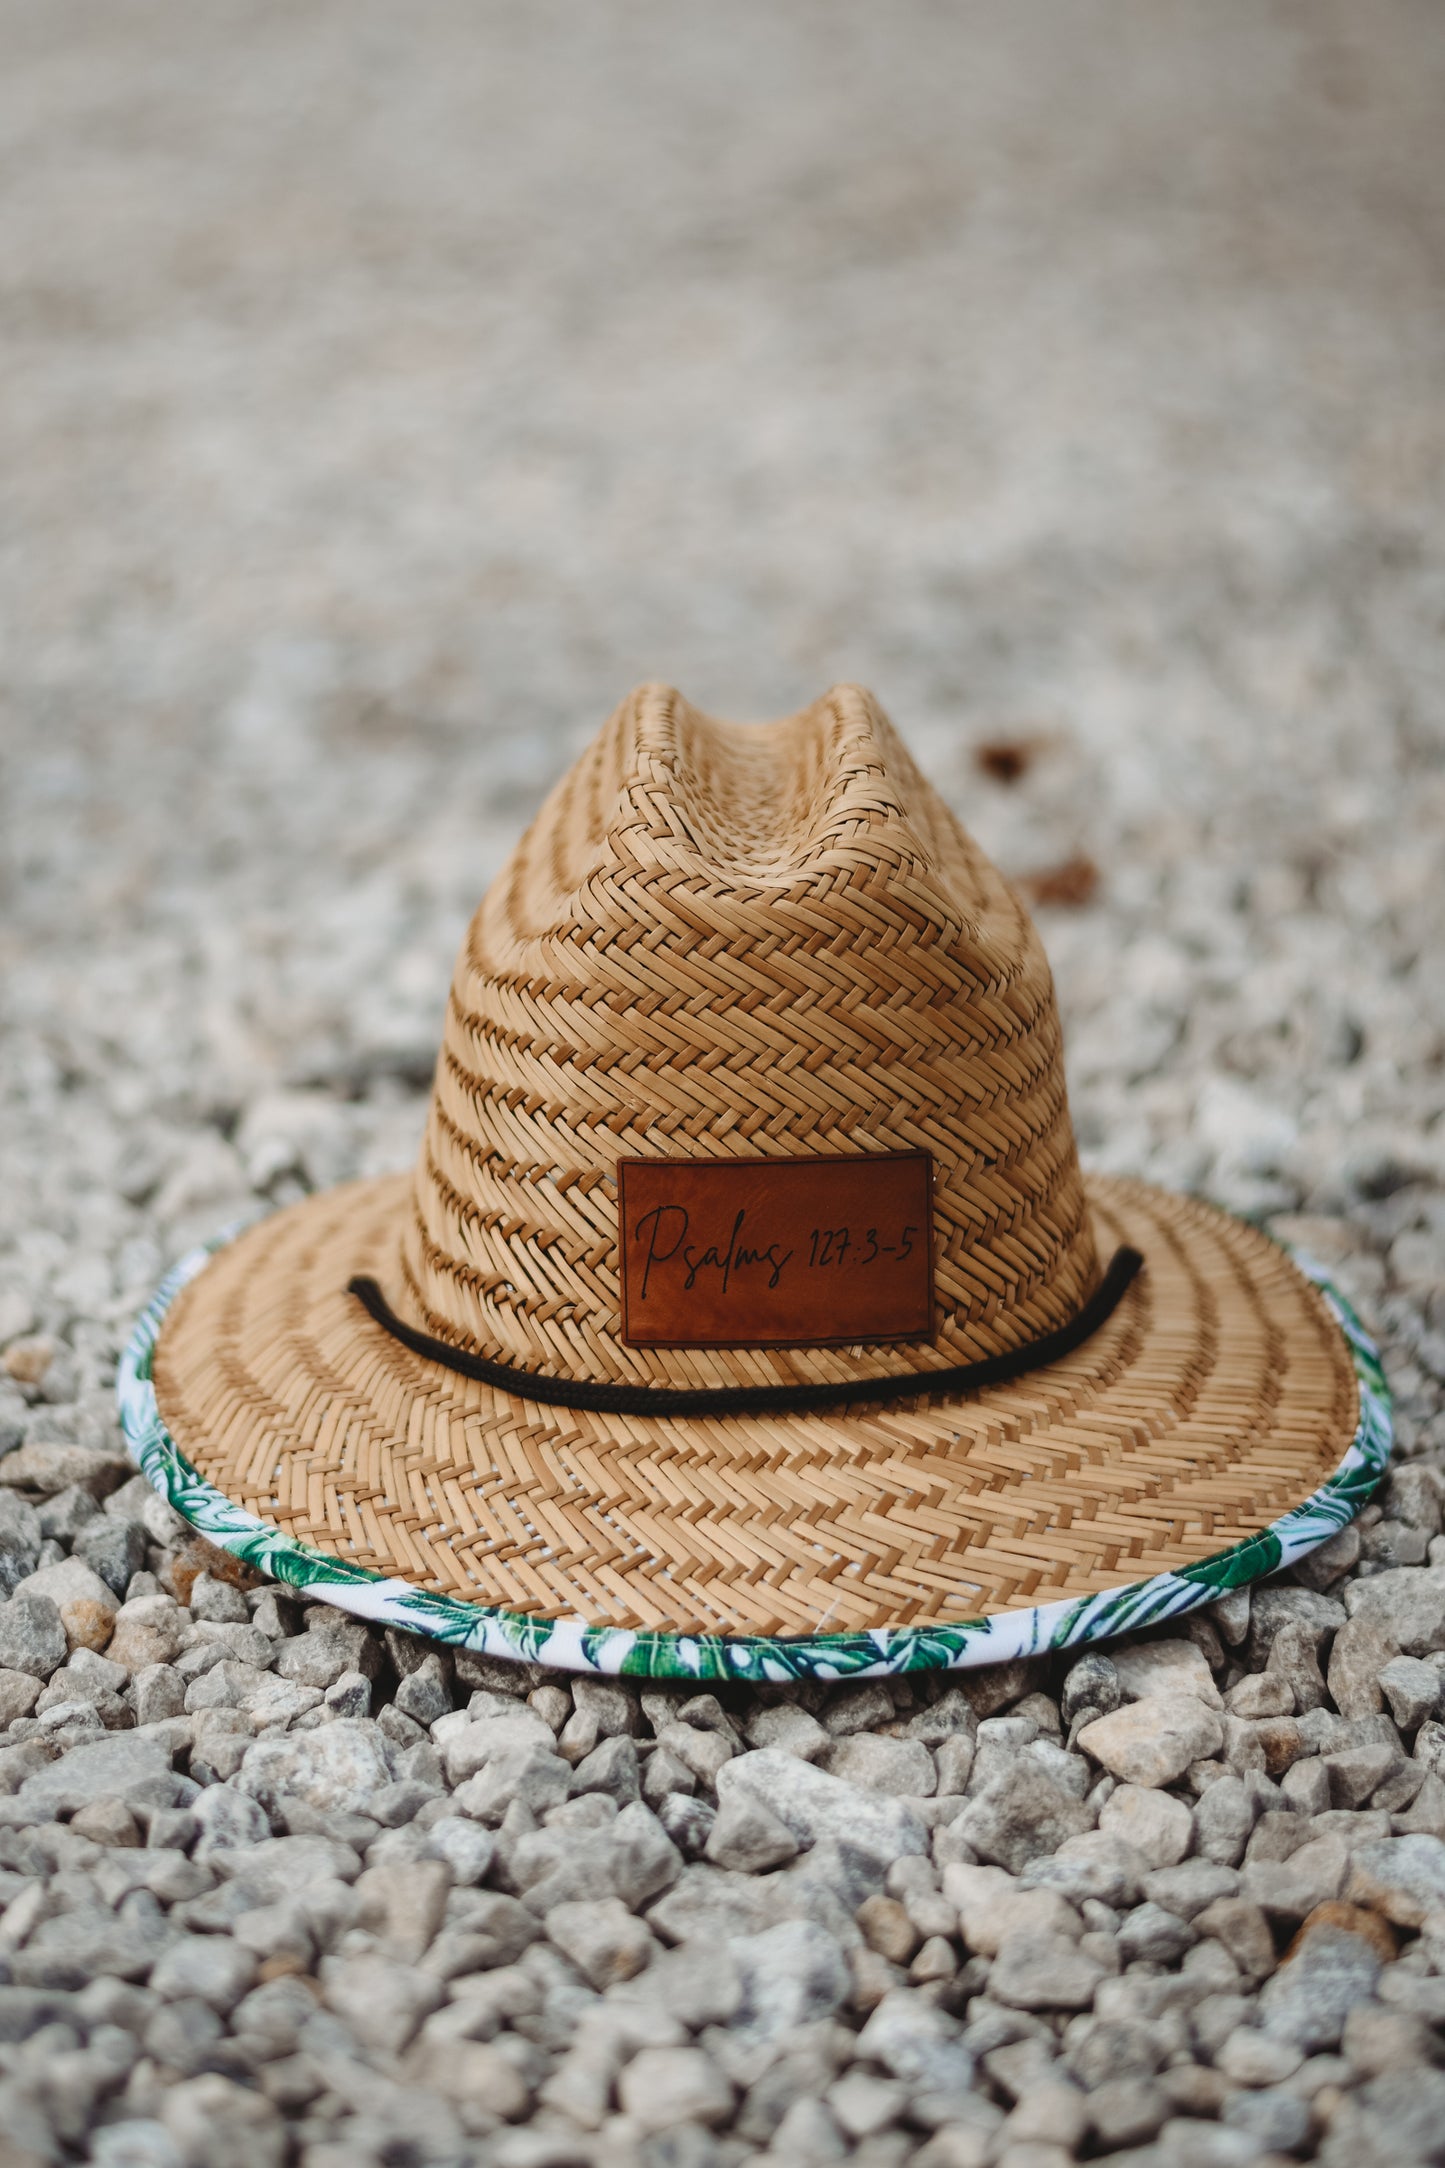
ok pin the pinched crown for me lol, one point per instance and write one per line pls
(724, 940)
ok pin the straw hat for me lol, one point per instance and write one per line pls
(748, 1313)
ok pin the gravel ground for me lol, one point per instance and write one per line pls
(385, 392)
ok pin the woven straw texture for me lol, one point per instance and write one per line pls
(722, 941)
(1219, 1394)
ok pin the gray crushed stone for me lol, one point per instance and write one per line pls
(383, 397)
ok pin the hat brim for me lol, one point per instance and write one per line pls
(1228, 1418)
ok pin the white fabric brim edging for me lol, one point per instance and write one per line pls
(573, 1645)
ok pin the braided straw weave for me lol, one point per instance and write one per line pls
(724, 941)
(718, 941)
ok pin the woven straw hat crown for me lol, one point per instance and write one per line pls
(741, 941)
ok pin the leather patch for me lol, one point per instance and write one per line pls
(776, 1252)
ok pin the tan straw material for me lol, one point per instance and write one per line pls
(728, 942)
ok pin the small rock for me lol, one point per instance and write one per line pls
(997, 1686)
(954, 1759)
(615, 1709)
(886, 1927)
(1250, 2057)
(1362, 1648)
(642, 1859)
(1275, 2121)
(1389, 2121)
(858, 1708)
(32, 1636)
(63, 1516)
(1260, 1693)
(1158, 1826)
(332, 1644)
(1413, 1689)
(1243, 1930)
(602, 1939)
(1430, 1745)
(138, 2142)
(1393, 1543)
(789, 1975)
(118, 1766)
(87, 1607)
(1312, 1993)
(108, 1822)
(44, 1466)
(348, 1696)
(1402, 1877)
(704, 1752)
(903, 1767)
(1281, 1605)
(1273, 1743)
(1053, 2113)
(482, 2076)
(610, 1768)
(814, 1805)
(1407, 1604)
(1189, 1887)
(1223, 1818)
(20, 1539)
(530, 1777)
(1093, 1684)
(19, 1692)
(1339, 1918)
(210, 1967)
(748, 1837)
(1035, 1971)
(229, 1821)
(687, 1822)
(339, 1766)
(1152, 1934)
(403, 1903)
(279, 1868)
(1091, 1865)
(115, 1550)
(218, 2124)
(1306, 1786)
(788, 1728)
(1128, 2112)
(917, 2044)
(1020, 1812)
(70, 1948)
(466, 1848)
(1375, 2041)
(863, 2104)
(1294, 1658)
(1230, 1613)
(425, 1692)
(1158, 1669)
(1427, 1816)
(468, 1745)
(1292, 1888)
(147, 1630)
(382, 2002)
(1328, 1564)
(662, 1775)
(992, 1906)
(1153, 1742)
(1358, 1772)
(661, 2087)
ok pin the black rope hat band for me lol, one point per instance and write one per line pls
(668, 1400)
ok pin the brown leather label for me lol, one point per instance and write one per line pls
(776, 1252)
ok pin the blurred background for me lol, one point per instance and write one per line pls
(387, 390)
